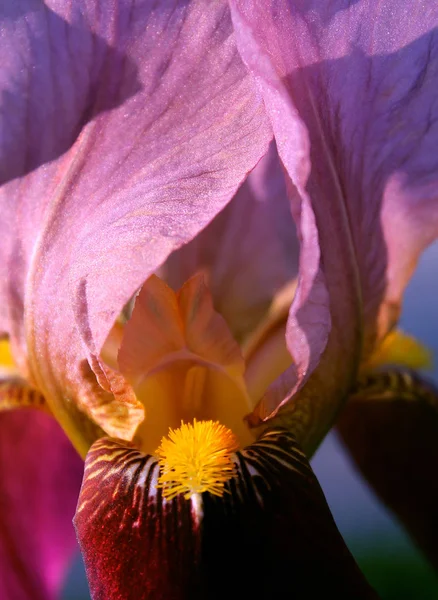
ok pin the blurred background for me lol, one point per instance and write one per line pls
(387, 557)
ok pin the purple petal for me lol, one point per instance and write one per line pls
(52, 60)
(355, 118)
(248, 253)
(40, 478)
(184, 128)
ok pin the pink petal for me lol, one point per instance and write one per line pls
(249, 251)
(40, 478)
(354, 114)
(185, 126)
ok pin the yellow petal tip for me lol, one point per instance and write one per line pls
(399, 348)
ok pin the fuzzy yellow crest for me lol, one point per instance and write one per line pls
(196, 458)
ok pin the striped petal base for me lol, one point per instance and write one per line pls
(270, 535)
(15, 393)
(390, 427)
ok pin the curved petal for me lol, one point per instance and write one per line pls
(184, 128)
(180, 357)
(40, 477)
(354, 115)
(164, 325)
(52, 61)
(271, 534)
(248, 253)
(390, 428)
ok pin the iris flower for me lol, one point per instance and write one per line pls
(152, 302)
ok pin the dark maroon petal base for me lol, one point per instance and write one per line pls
(390, 428)
(271, 535)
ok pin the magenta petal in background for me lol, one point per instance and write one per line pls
(354, 113)
(172, 125)
(40, 478)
